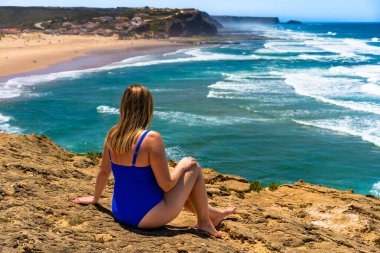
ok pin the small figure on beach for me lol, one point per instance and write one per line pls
(147, 192)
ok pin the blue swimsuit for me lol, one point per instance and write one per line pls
(136, 190)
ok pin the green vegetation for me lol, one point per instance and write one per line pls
(71, 155)
(273, 186)
(93, 156)
(26, 16)
(256, 186)
(58, 157)
(43, 136)
(63, 158)
(240, 195)
(224, 191)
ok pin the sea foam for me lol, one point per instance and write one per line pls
(5, 127)
(18, 86)
(367, 128)
(191, 119)
(375, 190)
(107, 109)
(371, 88)
(311, 43)
(175, 153)
(333, 89)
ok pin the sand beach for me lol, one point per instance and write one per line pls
(36, 51)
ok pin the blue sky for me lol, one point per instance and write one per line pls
(304, 10)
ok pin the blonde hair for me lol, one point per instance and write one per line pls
(136, 113)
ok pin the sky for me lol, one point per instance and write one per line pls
(303, 10)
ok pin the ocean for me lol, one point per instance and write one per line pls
(305, 105)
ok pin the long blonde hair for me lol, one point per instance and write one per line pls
(136, 113)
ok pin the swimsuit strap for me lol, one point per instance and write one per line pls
(109, 154)
(138, 147)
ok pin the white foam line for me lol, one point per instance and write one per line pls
(375, 190)
(5, 127)
(313, 84)
(367, 133)
(175, 153)
(189, 119)
(357, 106)
(107, 109)
(371, 89)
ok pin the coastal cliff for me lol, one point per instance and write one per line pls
(145, 22)
(38, 178)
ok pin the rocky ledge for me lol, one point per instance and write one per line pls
(38, 178)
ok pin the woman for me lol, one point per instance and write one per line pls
(147, 194)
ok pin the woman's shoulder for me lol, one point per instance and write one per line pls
(153, 134)
(153, 137)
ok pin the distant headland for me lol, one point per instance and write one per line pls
(248, 19)
(145, 22)
(124, 22)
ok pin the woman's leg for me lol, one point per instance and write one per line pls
(216, 216)
(174, 200)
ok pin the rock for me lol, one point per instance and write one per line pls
(37, 177)
(235, 185)
(103, 238)
(211, 176)
(235, 178)
(84, 162)
(189, 23)
(293, 22)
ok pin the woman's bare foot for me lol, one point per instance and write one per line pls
(216, 218)
(208, 228)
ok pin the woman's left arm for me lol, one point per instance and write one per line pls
(101, 180)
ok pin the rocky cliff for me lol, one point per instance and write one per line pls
(37, 178)
(184, 23)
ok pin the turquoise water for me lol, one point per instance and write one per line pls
(304, 106)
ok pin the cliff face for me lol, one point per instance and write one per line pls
(184, 23)
(187, 24)
(238, 19)
(37, 178)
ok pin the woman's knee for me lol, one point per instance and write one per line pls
(195, 169)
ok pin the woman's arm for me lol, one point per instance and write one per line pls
(166, 179)
(101, 180)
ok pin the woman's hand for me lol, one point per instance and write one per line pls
(84, 200)
(186, 163)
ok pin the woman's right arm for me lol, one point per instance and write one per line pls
(157, 157)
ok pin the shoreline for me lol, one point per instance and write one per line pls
(95, 59)
(91, 51)
(87, 56)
